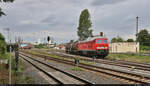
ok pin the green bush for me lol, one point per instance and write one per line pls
(2, 45)
(142, 47)
(39, 46)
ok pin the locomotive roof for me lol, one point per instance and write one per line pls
(92, 38)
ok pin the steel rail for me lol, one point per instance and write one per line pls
(56, 80)
(117, 73)
(69, 74)
(120, 63)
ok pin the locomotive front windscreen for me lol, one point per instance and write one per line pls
(99, 41)
(105, 41)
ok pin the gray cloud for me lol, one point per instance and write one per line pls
(105, 2)
(59, 18)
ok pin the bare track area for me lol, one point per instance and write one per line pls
(59, 76)
(122, 75)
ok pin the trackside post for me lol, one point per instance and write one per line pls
(76, 61)
(94, 57)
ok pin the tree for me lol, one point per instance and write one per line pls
(71, 41)
(84, 25)
(144, 37)
(113, 40)
(5, 1)
(2, 45)
(118, 39)
(130, 40)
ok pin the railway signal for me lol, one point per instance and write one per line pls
(48, 38)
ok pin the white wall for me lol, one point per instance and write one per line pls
(124, 47)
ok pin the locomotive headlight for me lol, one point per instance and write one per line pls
(100, 47)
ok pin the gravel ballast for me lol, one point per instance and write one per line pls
(88, 75)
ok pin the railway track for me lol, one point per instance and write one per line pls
(122, 75)
(128, 64)
(68, 78)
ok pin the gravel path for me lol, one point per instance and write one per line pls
(91, 76)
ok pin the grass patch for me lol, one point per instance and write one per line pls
(142, 47)
(5, 56)
(76, 69)
(19, 79)
(86, 62)
(128, 57)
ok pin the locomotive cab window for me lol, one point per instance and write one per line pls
(104, 41)
(99, 41)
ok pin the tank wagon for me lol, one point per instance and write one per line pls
(93, 46)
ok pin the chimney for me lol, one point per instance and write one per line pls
(101, 33)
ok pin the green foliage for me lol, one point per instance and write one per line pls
(39, 46)
(118, 39)
(84, 25)
(71, 41)
(7, 0)
(76, 69)
(1, 12)
(144, 37)
(130, 40)
(2, 45)
(113, 40)
(142, 47)
(129, 57)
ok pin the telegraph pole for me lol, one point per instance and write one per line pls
(136, 31)
(137, 27)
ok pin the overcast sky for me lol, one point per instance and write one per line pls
(34, 19)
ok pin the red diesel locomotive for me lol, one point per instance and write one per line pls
(93, 46)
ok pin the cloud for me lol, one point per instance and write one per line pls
(105, 2)
(60, 17)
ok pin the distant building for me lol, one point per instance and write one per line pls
(124, 47)
(39, 41)
(60, 46)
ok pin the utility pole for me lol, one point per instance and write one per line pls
(137, 27)
(136, 31)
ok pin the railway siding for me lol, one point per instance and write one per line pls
(90, 76)
(140, 67)
(122, 74)
(63, 77)
(115, 66)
